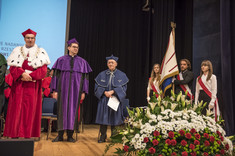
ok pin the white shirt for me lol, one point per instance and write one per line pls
(211, 85)
(156, 85)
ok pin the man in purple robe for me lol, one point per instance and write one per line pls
(70, 83)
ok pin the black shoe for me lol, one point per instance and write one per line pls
(57, 139)
(71, 140)
(102, 139)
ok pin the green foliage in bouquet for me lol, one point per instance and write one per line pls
(176, 103)
(171, 126)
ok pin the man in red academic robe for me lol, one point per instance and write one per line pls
(28, 66)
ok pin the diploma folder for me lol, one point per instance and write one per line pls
(113, 103)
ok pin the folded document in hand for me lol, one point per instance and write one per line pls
(113, 103)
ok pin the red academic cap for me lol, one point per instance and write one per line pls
(29, 31)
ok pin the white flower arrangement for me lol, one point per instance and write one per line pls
(148, 130)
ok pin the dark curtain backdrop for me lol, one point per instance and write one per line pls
(213, 39)
(139, 38)
(227, 25)
(206, 39)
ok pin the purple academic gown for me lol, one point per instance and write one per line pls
(70, 80)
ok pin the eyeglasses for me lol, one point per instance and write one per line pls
(75, 47)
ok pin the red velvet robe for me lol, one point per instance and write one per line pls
(46, 85)
(25, 103)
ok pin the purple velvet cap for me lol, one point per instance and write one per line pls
(73, 40)
(112, 57)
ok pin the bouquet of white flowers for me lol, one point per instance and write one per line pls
(172, 126)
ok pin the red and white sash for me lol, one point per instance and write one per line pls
(185, 87)
(216, 107)
(154, 88)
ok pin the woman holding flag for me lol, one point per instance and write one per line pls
(206, 88)
(153, 83)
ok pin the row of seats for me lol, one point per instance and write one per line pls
(49, 111)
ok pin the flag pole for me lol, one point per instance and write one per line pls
(173, 26)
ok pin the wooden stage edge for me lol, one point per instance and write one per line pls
(86, 145)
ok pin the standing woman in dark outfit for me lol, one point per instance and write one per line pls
(206, 88)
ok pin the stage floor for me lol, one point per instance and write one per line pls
(87, 144)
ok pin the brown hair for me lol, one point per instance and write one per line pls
(155, 75)
(187, 62)
(209, 64)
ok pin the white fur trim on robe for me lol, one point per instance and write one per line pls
(37, 57)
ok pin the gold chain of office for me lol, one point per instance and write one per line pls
(23, 54)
